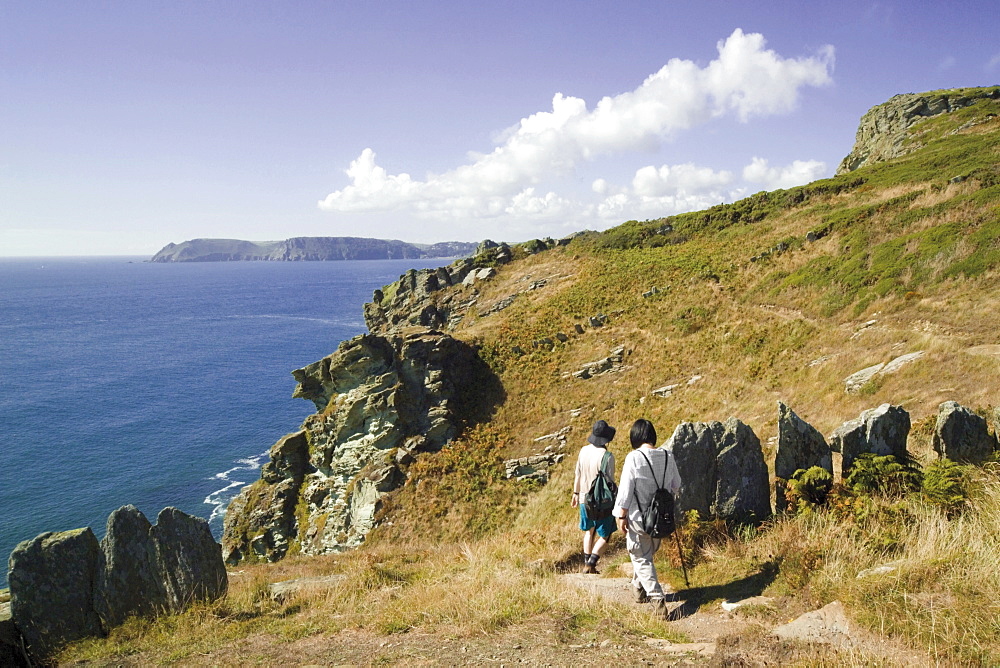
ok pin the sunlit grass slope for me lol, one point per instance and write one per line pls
(777, 297)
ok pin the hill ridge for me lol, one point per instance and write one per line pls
(307, 249)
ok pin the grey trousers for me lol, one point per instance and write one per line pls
(642, 548)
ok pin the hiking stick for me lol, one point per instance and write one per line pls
(680, 555)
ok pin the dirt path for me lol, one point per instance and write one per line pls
(715, 634)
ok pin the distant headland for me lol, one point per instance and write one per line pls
(308, 249)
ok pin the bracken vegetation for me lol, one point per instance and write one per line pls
(780, 296)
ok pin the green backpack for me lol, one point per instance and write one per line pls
(600, 498)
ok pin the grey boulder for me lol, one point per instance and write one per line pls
(961, 435)
(800, 446)
(881, 431)
(722, 470)
(51, 589)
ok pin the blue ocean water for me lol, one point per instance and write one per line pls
(123, 381)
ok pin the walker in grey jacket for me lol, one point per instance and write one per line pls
(644, 468)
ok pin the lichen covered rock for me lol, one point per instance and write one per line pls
(884, 129)
(128, 580)
(722, 469)
(66, 586)
(52, 589)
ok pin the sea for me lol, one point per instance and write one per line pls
(129, 382)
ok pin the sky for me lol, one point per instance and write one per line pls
(125, 126)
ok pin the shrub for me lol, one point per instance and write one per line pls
(883, 475)
(945, 484)
(809, 488)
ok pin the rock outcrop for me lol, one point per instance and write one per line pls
(381, 399)
(420, 297)
(961, 435)
(800, 446)
(613, 363)
(66, 586)
(881, 431)
(722, 469)
(884, 131)
(414, 299)
(532, 467)
(859, 379)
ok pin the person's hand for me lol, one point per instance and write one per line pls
(622, 523)
(575, 501)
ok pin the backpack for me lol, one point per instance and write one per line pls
(658, 517)
(600, 498)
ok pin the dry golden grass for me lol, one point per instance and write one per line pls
(467, 589)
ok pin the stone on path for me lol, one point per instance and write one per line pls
(616, 590)
(729, 606)
(705, 649)
(828, 625)
(287, 589)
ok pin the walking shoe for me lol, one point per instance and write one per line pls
(640, 595)
(590, 568)
(660, 609)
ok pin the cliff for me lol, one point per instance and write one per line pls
(307, 249)
(884, 131)
(381, 399)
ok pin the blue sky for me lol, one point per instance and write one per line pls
(128, 125)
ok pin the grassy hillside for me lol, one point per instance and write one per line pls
(777, 297)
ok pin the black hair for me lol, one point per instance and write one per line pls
(642, 432)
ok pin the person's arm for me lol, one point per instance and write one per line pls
(610, 470)
(575, 499)
(624, 498)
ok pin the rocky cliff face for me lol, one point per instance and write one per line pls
(381, 400)
(884, 129)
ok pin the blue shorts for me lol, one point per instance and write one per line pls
(604, 527)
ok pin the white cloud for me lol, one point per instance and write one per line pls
(947, 63)
(746, 80)
(795, 174)
(679, 179)
(662, 191)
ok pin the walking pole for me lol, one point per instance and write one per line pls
(680, 555)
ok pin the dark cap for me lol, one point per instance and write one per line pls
(601, 434)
